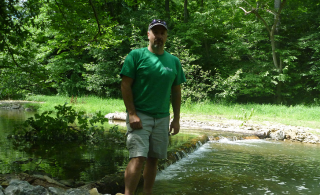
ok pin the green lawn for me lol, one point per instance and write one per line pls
(300, 115)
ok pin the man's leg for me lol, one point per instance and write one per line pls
(149, 175)
(132, 174)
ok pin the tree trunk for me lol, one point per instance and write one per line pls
(277, 4)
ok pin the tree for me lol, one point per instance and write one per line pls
(278, 6)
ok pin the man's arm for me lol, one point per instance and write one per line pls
(126, 90)
(176, 103)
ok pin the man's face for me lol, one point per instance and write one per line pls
(157, 36)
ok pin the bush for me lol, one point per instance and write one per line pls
(63, 127)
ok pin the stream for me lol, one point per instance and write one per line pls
(244, 167)
(224, 166)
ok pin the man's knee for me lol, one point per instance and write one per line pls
(138, 161)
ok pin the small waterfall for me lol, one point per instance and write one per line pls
(178, 156)
(234, 138)
(198, 144)
(181, 152)
(184, 153)
(191, 149)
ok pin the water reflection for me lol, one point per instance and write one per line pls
(244, 167)
(60, 160)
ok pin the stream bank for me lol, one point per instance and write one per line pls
(114, 183)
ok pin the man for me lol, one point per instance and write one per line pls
(149, 76)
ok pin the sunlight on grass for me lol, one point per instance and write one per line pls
(299, 115)
(89, 104)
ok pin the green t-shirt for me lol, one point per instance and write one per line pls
(153, 75)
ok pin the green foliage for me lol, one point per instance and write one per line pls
(116, 135)
(199, 82)
(244, 116)
(32, 106)
(227, 89)
(78, 48)
(62, 127)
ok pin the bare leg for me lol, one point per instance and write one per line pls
(149, 175)
(132, 174)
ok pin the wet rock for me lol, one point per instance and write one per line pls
(277, 135)
(15, 106)
(1, 190)
(23, 187)
(77, 192)
(116, 116)
(248, 128)
(55, 191)
(251, 137)
(4, 184)
(94, 191)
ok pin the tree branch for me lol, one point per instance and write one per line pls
(272, 12)
(247, 3)
(61, 12)
(258, 15)
(264, 22)
(96, 16)
(278, 15)
(245, 11)
(22, 68)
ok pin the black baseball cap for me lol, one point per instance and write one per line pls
(157, 22)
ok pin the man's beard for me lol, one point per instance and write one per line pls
(158, 43)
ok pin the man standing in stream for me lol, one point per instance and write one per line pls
(149, 76)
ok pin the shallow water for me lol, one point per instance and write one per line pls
(62, 161)
(244, 167)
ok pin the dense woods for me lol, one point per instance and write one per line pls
(231, 50)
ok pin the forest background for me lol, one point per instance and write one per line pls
(233, 51)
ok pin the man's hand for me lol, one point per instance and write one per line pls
(135, 122)
(175, 126)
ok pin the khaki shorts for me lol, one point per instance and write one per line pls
(150, 141)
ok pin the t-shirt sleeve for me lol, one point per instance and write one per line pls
(128, 68)
(180, 78)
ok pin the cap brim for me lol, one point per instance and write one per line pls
(157, 25)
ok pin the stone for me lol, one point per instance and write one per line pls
(39, 190)
(116, 116)
(77, 192)
(15, 106)
(55, 191)
(4, 184)
(277, 135)
(23, 187)
(251, 137)
(1, 190)
(94, 191)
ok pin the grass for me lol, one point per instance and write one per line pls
(89, 104)
(300, 115)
